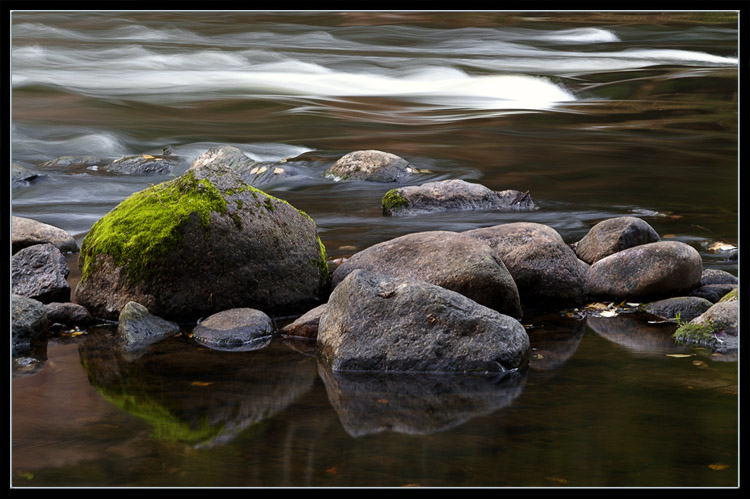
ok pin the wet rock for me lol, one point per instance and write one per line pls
(713, 292)
(504, 238)
(28, 325)
(306, 326)
(548, 275)
(452, 195)
(684, 307)
(376, 322)
(22, 175)
(141, 165)
(716, 328)
(27, 232)
(235, 330)
(613, 235)
(79, 162)
(68, 313)
(199, 244)
(224, 155)
(372, 165)
(40, 272)
(138, 328)
(646, 272)
(448, 259)
(714, 276)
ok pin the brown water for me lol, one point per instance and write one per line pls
(596, 115)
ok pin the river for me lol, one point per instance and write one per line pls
(596, 115)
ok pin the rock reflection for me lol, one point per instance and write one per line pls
(195, 395)
(555, 342)
(416, 404)
(634, 332)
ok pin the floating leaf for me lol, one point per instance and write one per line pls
(598, 306)
(556, 479)
(631, 304)
(147, 156)
(721, 247)
(609, 313)
(27, 475)
(700, 364)
(717, 467)
(383, 401)
(201, 383)
(332, 470)
(679, 355)
(411, 485)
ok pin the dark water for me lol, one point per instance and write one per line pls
(595, 114)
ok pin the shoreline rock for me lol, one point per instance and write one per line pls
(138, 328)
(40, 272)
(28, 232)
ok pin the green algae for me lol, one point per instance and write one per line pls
(392, 201)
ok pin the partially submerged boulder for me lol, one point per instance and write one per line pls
(27, 232)
(142, 164)
(715, 276)
(713, 292)
(685, 307)
(201, 243)
(371, 165)
(613, 235)
(29, 324)
(40, 272)
(137, 328)
(376, 322)
(236, 330)
(68, 313)
(646, 272)
(448, 259)
(716, 328)
(452, 195)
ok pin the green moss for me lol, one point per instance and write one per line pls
(269, 204)
(142, 229)
(322, 262)
(732, 295)
(694, 333)
(393, 200)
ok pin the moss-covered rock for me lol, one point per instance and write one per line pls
(198, 244)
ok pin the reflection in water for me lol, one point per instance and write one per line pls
(555, 341)
(194, 395)
(415, 404)
(634, 332)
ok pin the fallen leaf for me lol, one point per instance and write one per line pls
(278, 171)
(331, 471)
(668, 236)
(556, 479)
(608, 313)
(678, 355)
(411, 485)
(631, 304)
(201, 383)
(27, 475)
(721, 247)
(700, 364)
(147, 156)
(717, 467)
(383, 401)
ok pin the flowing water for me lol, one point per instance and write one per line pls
(595, 114)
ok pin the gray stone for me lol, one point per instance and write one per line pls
(138, 328)
(68, 313)
(504, 238)
(613, 235)
(27, 232)
(40, 272)
(22, 175)
(371, 165)
(448, 259)
(306, 326)
(723, 316)
(713, 292)
(29, 324)
(141, 165)
(225, 155)
(646, 272)
(238, 329)
(376, 322)
(688, 307)
(452, 195)
(714, 276)
(75, 162)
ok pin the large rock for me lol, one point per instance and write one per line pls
(613, 235)
(685, 307)
(137, 328)
(143, 164)
(372, 165)
(713, 292)
(27, 232)
(40, 272)
(237, 329)
(252, 172)
(448, 259)
(28, 324)
(452, 195)
(646, 272)
(715, 276)
(376, 322)
(505, 238)
(199, 244)
(716, 328)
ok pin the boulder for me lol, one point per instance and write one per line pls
(225, 155)
(376, 322)
(448, 259)
(68, 313)
(306, 326)
(138, 328)
(452, 195)
(684, 307)
(27, 232)
(716, 328)
(714, 276)
(613, 235)
(504, 238)
(199, 244)
(28, 324)
(372, 165)
(713, 292)
(40, 272)
(238, 329)
(646, 272)
(142, 164)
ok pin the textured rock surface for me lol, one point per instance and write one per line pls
(68, 313)
(27, 232)
(28, 324)
(40, 272)
(613, 235)
(372, 165)
(138, 328)
(504, 238)
(688, 307)
(238, 329)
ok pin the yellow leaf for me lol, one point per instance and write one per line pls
(700, 364)
(201, 383)
(608, 313)
(721, 247)
(556, 479)
(27, 475)
(717, 467)
(411, 485)
(383, 401)
(678, 355)
(148, 156)
(332, 470)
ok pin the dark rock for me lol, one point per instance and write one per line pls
(646, 272)
(28, 325)
(235, 330)
(713, 292)
(372, 165)
(376, 322)
(613, 235)
(448, 259)
(137, 328)
(40, 272)
(504, 238)
(714, 276)
(306, 326)
(687, 307)
(199, 244)
(27, 232)
(68, 313)
(716, 328)
(141, 165)
(452, 195)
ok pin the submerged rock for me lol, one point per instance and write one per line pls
(138, 328)
(376, 322)
(40, 272)
(372, 165)
(27, 232)
(452, 195)
(684, 307)
(714, 276)
(613, 235)
(75, 162)
(235, 330)
(199, 244)
(29, 325)
(448, 259)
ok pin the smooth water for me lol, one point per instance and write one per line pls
(595, 114)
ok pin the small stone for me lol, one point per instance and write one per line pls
(238, 329)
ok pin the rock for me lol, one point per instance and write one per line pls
(138, 328)
(686, 307)
(68, 313)
(452, 195)
(613, 235)
(376, 322)
(224, 155)
(548, 275)
(372, 165)
(714, 276)
(81, 162)
(141, 165)
(28, 324)
(646, 272)
(306, 326)
(504, 238)
(713, 292)
(27, 232)
(448, 259)
(199, 244)
(716, 328)
(22, 175)
(40, 272)
(237, 330)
